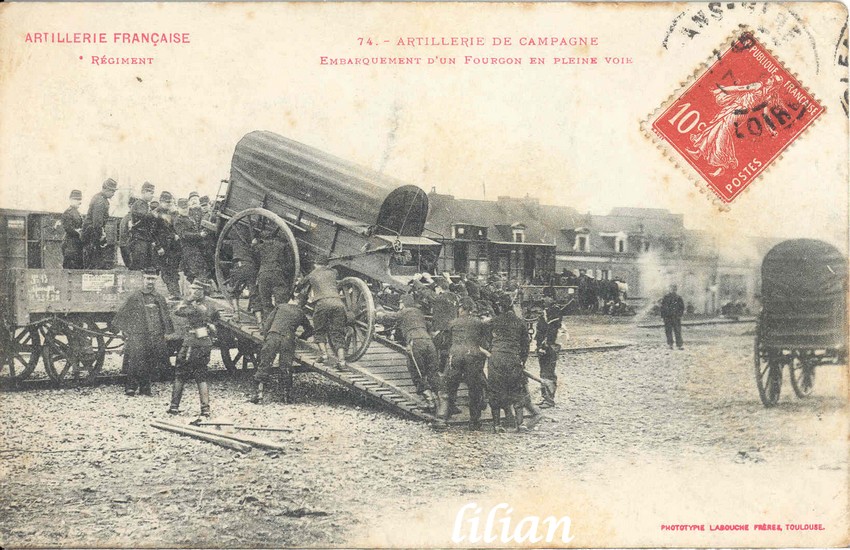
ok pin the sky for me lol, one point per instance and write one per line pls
(568, 135)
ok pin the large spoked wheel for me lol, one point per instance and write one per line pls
(20, 352)
(234, 243)
(67, 345)
(768, 370)
(802, 374)
(360, 316)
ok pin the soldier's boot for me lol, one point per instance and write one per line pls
(442, 413)
(520, 416)
(509, 416)
(176, 395)
(286, 393)
(340, 354)
(204, 395)
(547, 391)
(474, 418)
(257, 396)
(497, 422)
(534, 419)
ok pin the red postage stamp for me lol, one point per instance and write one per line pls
(736, 117)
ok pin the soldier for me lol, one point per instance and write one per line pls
(204, 201)
(94, 227)
(329, 315)
(281, 327)
(443, 311)
(506, 379)
(192, 237)
(72, 225)
(124, 233)
(194, 355)
(548, 325)
(466, 363)
(244, 272)
(272, 276)
(142, 228)
(422, 358)
(672, 309)
(145, 321)
(167, 247)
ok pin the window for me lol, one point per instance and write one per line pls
(519, 235)
(581, 243)
(606, 275)
(646, 246)
(620, 244)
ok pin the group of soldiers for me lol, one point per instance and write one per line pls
(155, 234)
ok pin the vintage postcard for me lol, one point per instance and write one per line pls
(424, 274)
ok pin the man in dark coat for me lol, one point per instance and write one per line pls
(72, 225)
(94, 227)
(145, 321)
(167, 247)
(468, 339)
(194, 355)
(672, 309)
(548, 325)
(193, 240)
(142, 228)
(506, 380)
(281, 327)
(329, 315)
(444, 305)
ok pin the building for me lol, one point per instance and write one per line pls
(648, 248)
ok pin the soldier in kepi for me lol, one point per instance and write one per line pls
(329, 316)
(145, 321)
(193, 239)
(194, 355)
(468, 336)
(142, 227)
(422, 359)
(167, 247)
(274, 279)
(94, 227)
(281, 327)
(672, 309)
(548, 325)
(72, 225)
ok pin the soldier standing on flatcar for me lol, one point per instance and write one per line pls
(94, 227)
(329, 316)
(273, 280)
(145, 321)
(466, 363)
(167, 247)
(72, 225)
(281, 327)
(193, 238)
(548, 325)
(506, 380)
(194, 355)
(142, 228)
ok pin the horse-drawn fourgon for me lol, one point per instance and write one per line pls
(803, 321)
(369, 226)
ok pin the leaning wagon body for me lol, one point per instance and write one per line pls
(803, 321)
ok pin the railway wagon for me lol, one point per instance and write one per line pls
(369, 225)
(52, 315)
(803, 321)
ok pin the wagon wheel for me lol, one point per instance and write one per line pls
(235, 353)
(65, 345)
(768, 371)
(360, 310)
(802, 374)
(239, 231)
(20, 351)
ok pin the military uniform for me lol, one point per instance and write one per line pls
(192, 243)
(72, 244)
(166, 241)
(243, 273)
(281, 325)
(548, 325)
(273, 280)
(672, 309)
(506, 379)
(329, 315)
(194, 355)
(94, 228)
(466, 364)
(443, 312)
(142, 228)
(144, 319)
(422, 359)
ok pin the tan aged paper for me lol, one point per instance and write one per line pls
(596, 152)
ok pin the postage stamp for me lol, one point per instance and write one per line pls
(734, 118)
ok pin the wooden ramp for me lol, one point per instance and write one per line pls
(381, 375)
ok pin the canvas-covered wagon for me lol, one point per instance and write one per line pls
(803, 321)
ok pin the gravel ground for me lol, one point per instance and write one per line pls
(641, 437)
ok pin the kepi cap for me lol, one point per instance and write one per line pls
(165, 196)
(151, 271)
(148, 186)
(194, 194)
(110, 185)
(205, 200)
(182, 203)
(76, 194)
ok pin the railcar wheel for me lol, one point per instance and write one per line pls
(802, 374)
(768, 372)
(360, 309)
(65, 345)
(236, 237)
(21, 350)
